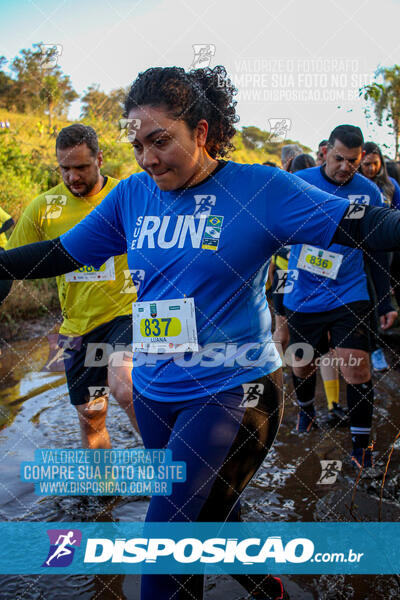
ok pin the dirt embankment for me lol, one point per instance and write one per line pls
(30, 310)
(27, 329)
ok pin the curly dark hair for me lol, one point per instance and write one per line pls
(191, 96)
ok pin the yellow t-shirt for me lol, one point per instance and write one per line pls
(84, 304)
(4, 217)
(281, 263)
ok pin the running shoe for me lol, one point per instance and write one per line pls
(379, 361)
(306, 419)
(362, 458)
(337, 415)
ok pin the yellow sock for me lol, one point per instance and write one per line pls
(332, 392)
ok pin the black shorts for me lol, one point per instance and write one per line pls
(93, 349)
(277, 297)
(343, 327)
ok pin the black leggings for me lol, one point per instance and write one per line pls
(223, 439)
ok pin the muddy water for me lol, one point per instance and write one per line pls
(35, 413)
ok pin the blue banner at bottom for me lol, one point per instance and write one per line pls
(285, 548)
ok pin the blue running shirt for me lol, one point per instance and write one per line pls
(315, 293)
(252, 210)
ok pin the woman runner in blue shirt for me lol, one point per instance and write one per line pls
(207, 380)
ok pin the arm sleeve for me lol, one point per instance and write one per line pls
(298, 212)
(36, 261)
(369, 228)
(99, 235)
(378, 263)
(5, 287)
(6, 225)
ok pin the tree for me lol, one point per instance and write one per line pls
(39, 85)
(254, 138)
(99, 105)
(7, 84)
(50, 94)
(385, 98)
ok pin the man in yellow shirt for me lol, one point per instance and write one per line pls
(96, 304)
(5, 223)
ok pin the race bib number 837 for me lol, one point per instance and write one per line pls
(165, 326)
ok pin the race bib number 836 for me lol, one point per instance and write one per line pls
(319, 262)
(87, 273)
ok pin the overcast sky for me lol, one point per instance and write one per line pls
(301, 61)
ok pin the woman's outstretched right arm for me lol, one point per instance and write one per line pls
(37, 261)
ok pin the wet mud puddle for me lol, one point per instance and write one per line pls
(35, 413)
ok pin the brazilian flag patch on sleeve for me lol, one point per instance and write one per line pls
(212, 232)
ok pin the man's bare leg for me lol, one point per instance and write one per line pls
(92, 420)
